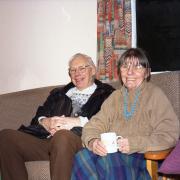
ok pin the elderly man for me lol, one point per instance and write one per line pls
(55, 131)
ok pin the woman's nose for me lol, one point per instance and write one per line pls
(130, 69)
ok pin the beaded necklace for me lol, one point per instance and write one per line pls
(127, 114)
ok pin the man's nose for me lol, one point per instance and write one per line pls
(77, 71)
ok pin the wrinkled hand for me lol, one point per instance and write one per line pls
(98, 147)
(67, 123)
(49, 124)
(56, 123)
(123, 145)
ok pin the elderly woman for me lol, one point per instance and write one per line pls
(55, 131)
(139, 112)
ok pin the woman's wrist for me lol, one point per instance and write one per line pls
(90, 143)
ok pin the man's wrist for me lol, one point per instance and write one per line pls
(83, 120)
(40, 119)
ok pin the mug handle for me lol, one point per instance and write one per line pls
(118, 137)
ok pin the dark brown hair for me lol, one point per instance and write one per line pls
(140, 55)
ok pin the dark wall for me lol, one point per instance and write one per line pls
(158, 32)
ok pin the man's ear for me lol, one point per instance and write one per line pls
(93, 70)
(69, 74)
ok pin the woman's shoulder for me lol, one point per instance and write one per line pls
(115, 94)
(154, 91)
(151, 87)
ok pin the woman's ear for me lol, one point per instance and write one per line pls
(148, 74)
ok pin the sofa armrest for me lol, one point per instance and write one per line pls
(157, 155)
(152, 158)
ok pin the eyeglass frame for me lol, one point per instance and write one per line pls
(137, 68)
(80, 69)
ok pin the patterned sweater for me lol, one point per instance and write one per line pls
(154, 125)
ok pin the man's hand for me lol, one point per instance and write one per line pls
(49, 124)
(67, 122)
(56, 123)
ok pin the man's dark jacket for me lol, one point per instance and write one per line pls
(58, 103)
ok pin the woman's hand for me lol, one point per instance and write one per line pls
(123, 145)
(97, 147)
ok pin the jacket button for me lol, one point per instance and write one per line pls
(76, 114)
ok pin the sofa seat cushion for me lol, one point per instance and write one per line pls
(38, 170)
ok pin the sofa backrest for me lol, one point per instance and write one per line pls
(19, 107)
(169, 82)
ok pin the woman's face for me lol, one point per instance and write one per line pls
(132, 73)
(81, 73)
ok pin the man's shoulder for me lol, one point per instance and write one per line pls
(103, 85)
(61, 89)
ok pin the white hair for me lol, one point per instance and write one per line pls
(88, 58)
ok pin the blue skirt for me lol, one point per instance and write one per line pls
(115, 166)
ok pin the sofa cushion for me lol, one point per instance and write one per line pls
(171, 165)
(38, 170)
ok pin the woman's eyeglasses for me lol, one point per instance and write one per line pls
(80, 69)
(135, 67)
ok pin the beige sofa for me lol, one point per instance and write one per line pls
(19, 107)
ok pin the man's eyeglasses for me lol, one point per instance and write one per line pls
(80, 69)
(135, 67)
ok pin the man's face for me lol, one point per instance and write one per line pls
(81, 73)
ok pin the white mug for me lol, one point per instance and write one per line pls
(110, 141)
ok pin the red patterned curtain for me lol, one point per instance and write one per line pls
(113, 35)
